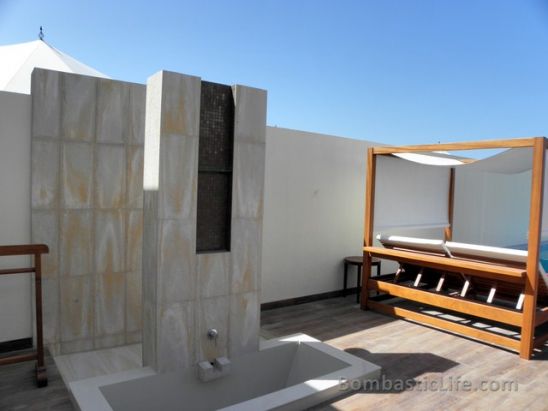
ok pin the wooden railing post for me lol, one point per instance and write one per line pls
(41, 377)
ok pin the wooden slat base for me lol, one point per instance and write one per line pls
(446, 325)
(478, 309)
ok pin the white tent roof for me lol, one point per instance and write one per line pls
(18, 60)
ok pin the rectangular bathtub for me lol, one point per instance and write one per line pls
(289, 373)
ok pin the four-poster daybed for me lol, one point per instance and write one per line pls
(521, 274)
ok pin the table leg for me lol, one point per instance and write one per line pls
(359, 281)
(378, 269)
(345, 278)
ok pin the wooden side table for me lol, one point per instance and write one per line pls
(358, 262)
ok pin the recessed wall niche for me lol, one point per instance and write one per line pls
(215, 159)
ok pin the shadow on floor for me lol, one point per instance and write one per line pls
(324, 320)
(400, 372)
(403, 366)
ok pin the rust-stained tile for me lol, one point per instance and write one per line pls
(79, 98)
(109, 241)
(135, 164)
(248, 180)
(175, 336)
(110, 304)
(212, 313)
(246, 255)
(213, 274)
(76, 245)
(77, 175)
(76, 308)
(180, 104)
(134, 302)
(177, 274)
(45, 226)
(45, 172)
(244, 323)
(137, 99)
(46, 103)
(134, 241)
(178, 177)
(112, 111)
(50, 310)
(110, 176)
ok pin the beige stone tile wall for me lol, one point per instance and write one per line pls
(87, 165)
(185, 293)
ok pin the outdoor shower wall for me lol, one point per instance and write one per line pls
(186, 293)
(86, 196)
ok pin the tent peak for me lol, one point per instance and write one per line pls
(20, 59)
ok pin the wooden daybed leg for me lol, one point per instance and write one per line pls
(492, 292)
(418, 278)
(440, 283)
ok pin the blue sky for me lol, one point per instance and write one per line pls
(393, 71)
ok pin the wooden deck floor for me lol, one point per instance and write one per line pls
(410, 353)
(418, 356)
(18, 390)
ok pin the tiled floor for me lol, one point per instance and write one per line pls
(18, 389)
(79, 366)
(422, 357)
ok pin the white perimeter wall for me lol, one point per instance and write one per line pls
(15, 290)
(313, 212)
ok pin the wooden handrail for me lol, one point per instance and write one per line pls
(17, 270)
(35, 250)
(24, 249)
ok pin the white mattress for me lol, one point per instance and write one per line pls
(413, 243)
(483, 251)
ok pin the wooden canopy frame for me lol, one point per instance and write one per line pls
(527, 320)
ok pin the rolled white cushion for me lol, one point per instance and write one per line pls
(413, 243)
(484, 251)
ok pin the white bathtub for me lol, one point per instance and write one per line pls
(289, 373)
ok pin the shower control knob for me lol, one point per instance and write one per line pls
(212, 334)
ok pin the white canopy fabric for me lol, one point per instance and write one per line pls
(432, 159)
(18, 60)
(512, 161)
(410, 195)
(414, 193)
